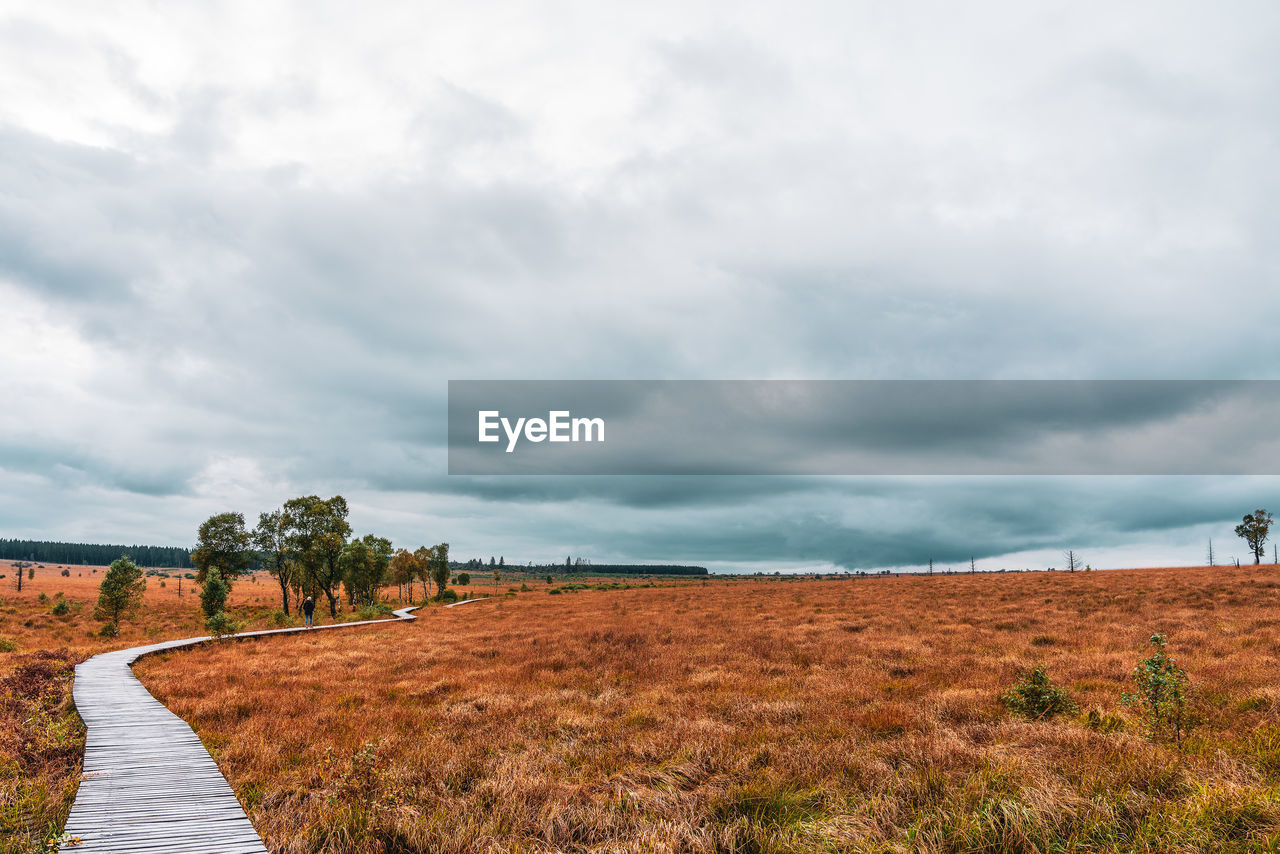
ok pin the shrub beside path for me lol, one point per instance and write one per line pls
(148, 785)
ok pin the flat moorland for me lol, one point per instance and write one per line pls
(45, 630)
(757, 715)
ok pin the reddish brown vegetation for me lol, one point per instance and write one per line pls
(748, 715)
(41, 738)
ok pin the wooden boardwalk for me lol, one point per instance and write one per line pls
(149, 786)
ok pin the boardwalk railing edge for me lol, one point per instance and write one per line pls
(147, 782)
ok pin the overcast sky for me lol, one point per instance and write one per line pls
(244, 246)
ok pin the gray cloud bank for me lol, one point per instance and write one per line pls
(240, 260)
(864, 427)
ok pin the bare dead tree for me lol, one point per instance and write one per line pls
(1073, 561)
(21, 569)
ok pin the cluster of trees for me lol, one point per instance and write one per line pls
(308, 547)
(90, 554)
(428, 564)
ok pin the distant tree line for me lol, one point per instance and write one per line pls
(93, 554)
(580, 566)
(627, 569)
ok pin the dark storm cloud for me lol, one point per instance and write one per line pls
(866, 427)
(864, 523)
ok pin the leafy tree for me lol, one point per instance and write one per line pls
(440, 567)
(404, 569)
(1253, 530)
(364, 566)
(464, 578)
(213, 592)
(1164, 695)
(271, 539)
(424, 556)
(224, 543)
(318, 531)
(354, 561)
(120, 593)
(381, 550)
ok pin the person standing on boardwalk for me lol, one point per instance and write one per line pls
(308, 608)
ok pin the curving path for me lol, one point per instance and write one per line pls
(148, 785)
(467, 601)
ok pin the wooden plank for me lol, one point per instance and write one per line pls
(148, 785)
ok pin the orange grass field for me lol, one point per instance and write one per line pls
(41, 738)
(853, 714)
(756, 715)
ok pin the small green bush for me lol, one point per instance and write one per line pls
(555, 591)
(43, 598)
(220, 625)
(7, 645)
(449, 595)
(1037, 698)
(61, 608)
(280, 619)
(374, 610)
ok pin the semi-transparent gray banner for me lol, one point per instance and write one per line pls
(867, 427)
